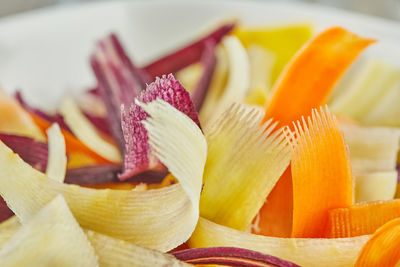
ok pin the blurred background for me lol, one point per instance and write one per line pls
(389, 9)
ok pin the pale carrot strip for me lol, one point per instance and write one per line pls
(361, 219)
(305, 84)
(73, 145)
(310, 77)
(321, 173)
(383, 248)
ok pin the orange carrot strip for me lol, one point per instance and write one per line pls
(305, 84)
(361, 219)
(275, 220)
(73, 145)
(321, 173)
(383, 248)
(310, 77)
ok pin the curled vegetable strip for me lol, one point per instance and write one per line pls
(372, 149)
(376, 186)
(217, 86)
(362, 218)
(382, 249)
(363, 91)
(8, 228)
(243, 164)
(57, 159)
(189, 54)
(86, 132)
(229, 256)
(51, 236)
(373, 156)
(239, 74)
(115, 252)
(31, 151)
(139, 156)
(321, 172)
(302, 251)
(110, 251)
(261, 64)
(162, 127)
(161, 218)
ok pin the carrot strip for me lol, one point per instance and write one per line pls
(73, 145)
(361, 219)
(306, 84)
(321, 173)
(310, 77)
(383, 248)
(275, 220)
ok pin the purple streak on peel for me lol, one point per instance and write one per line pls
(119, 81)
(208, 61)
(31, 151)
(55, 118)
(187, 55)
(230, 256)
(139, 156)
(141, 75)
(5, 211)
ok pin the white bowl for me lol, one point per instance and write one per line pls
(45, 53)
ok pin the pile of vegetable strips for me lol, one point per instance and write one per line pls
(250, 146)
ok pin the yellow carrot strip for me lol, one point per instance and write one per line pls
(73, 145)
(86, 132)
(244, 162)
(361, 219)
(327, 252)
(51, 236)
(217, 86)
(109, 251)
(305, 84)
(15, 120)
(321, 173)
(261, 64)
(375, 186)
(57, 158)
(383, 248)
(284, 41)
(8, 228)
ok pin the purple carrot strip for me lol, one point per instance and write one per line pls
(56, 118)
(230, 256)
(139, 156)
(107, 173)
(31, 151)
(119, 82)
(92, 175)
(208, 61)
(148, 177)
(140, 74)
(110, 101)
(5, 211)
(187, 55)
